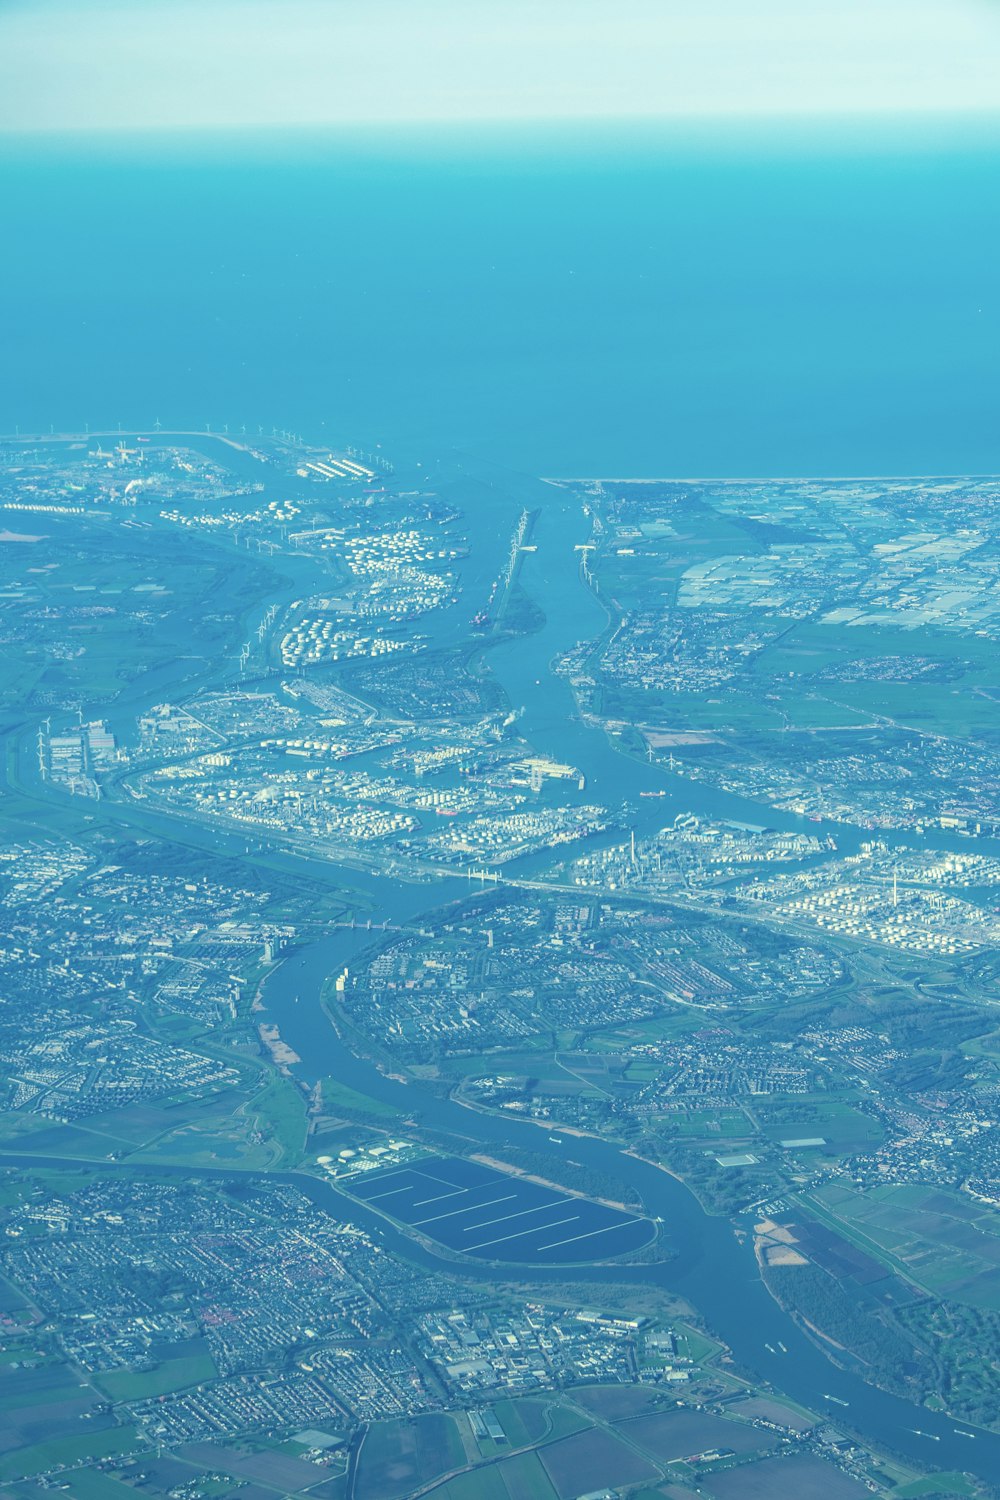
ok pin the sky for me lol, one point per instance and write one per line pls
(165, 64)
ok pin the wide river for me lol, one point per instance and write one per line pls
(708, 1265)
(704, 1261)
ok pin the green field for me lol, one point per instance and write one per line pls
(280, 1114)
(844, 1128)
(564, 1421)
(339, 1099)
(73, 1390)
(40, 1457)
(940, 1239)
(480, 1484)
(526, 1063)
(399, 1456)
(91, 1484)
(726, 710)
(935, 1484)
(613, 1403)
(710, 1125)
(525, 1478)
(172, 1375)
(658, 1029)
(524, 1422)
(594, 1460)
(797, 1477)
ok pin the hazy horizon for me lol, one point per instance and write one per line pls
(222, 64)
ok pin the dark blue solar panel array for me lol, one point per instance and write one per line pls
(491, 1216)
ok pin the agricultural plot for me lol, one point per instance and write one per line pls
(40, 1457)
(792, 1478)
(843, 1128)
(399, 1457)
(46, 1404)
(478, 1484)
(525, 1478)
(713, 1125)
(171, 1375)
(523, 1421)
(592, 1460)
(687, 1434)
(92, 1484)
(769, 1410)
(944, 1241)
(273, 1470)
(614, 1403)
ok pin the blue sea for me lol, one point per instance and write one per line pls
(748, 301)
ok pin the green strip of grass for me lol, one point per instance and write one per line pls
(172, 1375)
(40, 1458)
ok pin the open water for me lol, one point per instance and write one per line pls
(623, 304)
(779, 300)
